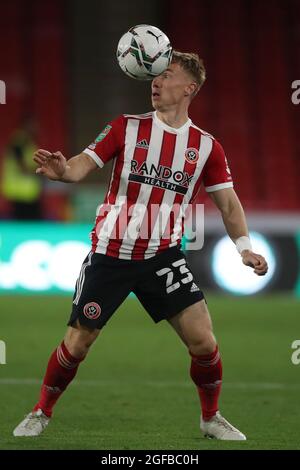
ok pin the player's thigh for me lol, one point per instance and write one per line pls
(193, 324)
(103, 284)
(167, 285)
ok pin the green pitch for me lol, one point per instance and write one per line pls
(134, 391)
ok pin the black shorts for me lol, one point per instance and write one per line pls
(163, 284)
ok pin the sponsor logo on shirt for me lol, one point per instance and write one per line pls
(103, 134)
(160, 176)
(194, 288)
(143, 144)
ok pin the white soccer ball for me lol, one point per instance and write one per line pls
(144, 52)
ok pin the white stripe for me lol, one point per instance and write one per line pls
(203, 131)
(196, 127)
(81, 278)
(111, 218)
(111, 178)
(62, 361)
(109, 189)
(177, 230)
(208, 363)
(168, 198)
(204, 152)
(140, 207)
(248, 386)
(139, 116)
(217, 187)
(78, 282)
(205, 149)
(172, 130)
(94, 156)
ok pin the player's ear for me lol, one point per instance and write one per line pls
(190, 89)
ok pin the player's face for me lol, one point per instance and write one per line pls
(170, 88)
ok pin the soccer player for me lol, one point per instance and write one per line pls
(160, 160)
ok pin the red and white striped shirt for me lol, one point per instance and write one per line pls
(157, 171)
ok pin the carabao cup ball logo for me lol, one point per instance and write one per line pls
(191, 155)
(92, 311)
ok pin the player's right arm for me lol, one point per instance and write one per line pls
(55, 166)
(107, 145)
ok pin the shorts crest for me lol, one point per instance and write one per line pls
(92, 310)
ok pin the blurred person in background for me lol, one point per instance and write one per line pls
(19, 185)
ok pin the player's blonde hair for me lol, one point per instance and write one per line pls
(192, 64)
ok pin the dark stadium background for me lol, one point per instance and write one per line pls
(57, 59)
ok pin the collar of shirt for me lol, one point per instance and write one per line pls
(179, 130)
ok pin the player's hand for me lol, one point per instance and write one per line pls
(255, 261)
(51, 165)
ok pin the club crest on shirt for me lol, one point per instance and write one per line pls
(191, 155)
(92, 310)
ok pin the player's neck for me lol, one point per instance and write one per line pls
(173, 118)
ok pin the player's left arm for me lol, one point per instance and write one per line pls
(235, 223)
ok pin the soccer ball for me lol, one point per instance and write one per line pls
(144, 52)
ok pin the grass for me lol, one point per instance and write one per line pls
(134, 392)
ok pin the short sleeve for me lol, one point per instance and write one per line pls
(216, 172)
(109, 142)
